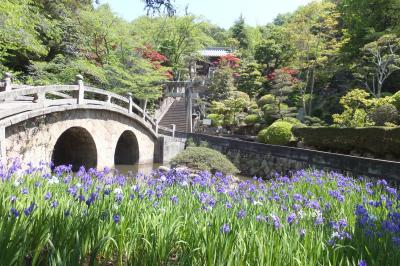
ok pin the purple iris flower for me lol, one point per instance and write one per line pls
(116, 218)
(225, 228)
(319, 220)
(291, 218)
(174, 199)
(54, 204)
(15, 212)
(30, 209)
(47, 196)
(241, 214)
(362, 263)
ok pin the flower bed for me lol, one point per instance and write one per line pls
(93, 217)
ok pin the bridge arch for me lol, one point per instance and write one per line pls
(75, 146)
(127, 149)
(32, 136)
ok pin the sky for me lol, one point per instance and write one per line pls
(220, 12)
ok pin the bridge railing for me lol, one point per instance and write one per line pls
(22, 98)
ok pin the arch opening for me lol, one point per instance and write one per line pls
(127, 149)
(75, 146)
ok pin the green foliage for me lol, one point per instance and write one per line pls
(355, 104)
(352, 118)
(266, 99)
(276, 48)
(396, 100)
(279, 133)
(231, 111)
(365, 20)
(239, 33)
(222, 83)
(201, 158)
(380, 141)
(383, 114)
(50, 42)
(314, 121)
(250, 80)
(216, 119)
(283, 84)
(380, 60)
(292, 120)
(251, 119)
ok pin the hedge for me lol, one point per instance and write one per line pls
(279, 133)
(380, 141)
(204, 159)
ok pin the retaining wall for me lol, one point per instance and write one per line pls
(263, 160)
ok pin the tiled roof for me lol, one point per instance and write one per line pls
(215, 51)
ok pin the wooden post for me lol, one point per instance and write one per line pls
(81, 89)
(7, 80)
(130, 103)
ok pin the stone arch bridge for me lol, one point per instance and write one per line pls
(74, 124)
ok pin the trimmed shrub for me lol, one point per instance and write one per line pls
(205, 159)
(251, 119)
(380, 141)
(216, 119)
(383, 114)
(314, 121)
(266, 99)
(279, 133)
(293, 121)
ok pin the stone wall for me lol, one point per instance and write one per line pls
(168, 147)
(33, 140)
(263, 160)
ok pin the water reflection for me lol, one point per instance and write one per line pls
(136, 168)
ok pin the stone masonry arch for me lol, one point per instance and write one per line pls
(75, 146)
(33, 140)
(127, 149)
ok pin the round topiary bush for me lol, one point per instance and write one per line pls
(205, 159)
(279, 133)
(386, 113)
(266, 99)
(251, 119)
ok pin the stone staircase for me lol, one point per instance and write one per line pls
(176, 114)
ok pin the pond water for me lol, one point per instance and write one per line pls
(136, 168)
(147, 168)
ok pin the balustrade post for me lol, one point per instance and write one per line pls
(130, 103)
(173, 130)
(156, 122)
(144, 109)
(39, 97)
(7, 80)
(81, 89)
(109, 99)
